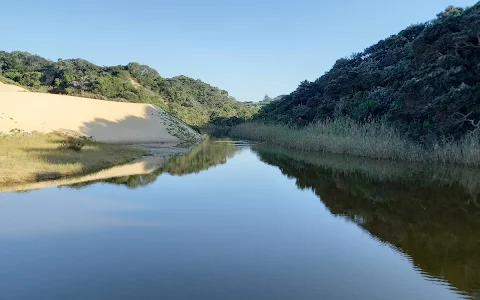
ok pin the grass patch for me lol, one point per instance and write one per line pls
(373, 139)
(37, 157)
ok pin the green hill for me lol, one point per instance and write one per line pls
(195, 102)
(424, 80)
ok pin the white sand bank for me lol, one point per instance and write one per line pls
(105, 121)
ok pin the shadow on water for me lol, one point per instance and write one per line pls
(206, 155)
(429, 213)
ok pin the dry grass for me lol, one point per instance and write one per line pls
(37, 157)
(373, 139)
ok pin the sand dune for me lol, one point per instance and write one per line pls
(11, 88)
(105, 121)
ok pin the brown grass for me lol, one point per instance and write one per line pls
(373, 139)
(36, 157)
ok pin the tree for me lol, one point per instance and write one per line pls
(449, 12)
(266, 99)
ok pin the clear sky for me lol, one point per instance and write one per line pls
(247, 47)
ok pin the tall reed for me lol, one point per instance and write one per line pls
(374, 139)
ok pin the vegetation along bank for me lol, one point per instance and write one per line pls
(412, 96)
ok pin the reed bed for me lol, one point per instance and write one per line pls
(374, 139)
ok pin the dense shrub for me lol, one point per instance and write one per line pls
(417, 80)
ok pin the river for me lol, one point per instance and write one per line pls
(242, 221)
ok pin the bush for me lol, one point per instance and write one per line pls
(74, 143)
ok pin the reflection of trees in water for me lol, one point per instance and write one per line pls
(433, 219)
(133, 181)
(204, 156)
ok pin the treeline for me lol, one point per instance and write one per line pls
(193, 101)
(266, 100)
(424, 80)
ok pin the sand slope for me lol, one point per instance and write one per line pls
(105, 121)
(10, 88)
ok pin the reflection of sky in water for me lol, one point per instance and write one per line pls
(237, 231)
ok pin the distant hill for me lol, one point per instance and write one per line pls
(266, 100)
(425, 80)
(193, 101)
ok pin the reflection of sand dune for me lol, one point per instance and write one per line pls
(105, 121)
(143, 165)
(166, 159)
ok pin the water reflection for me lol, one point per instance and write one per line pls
(206, 155)
(429, 213)
(245, 231)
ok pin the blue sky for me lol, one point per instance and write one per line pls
(248, 48)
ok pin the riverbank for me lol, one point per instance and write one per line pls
(32, 157)
(140, 166)
(49, 137)
(373, 139)
(32, 161)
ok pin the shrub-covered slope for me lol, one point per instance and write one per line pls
(425, 80)
(193, 101)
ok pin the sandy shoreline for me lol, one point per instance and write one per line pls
(159, 155)
(143, 126)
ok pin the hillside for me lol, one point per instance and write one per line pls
(193, 101)
(425, 80)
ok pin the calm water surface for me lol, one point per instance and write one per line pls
(248, 222)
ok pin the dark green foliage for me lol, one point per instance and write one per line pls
(193, 101)
(144, 75)
(418, 80)
(200, 103)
